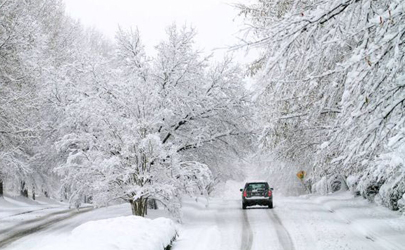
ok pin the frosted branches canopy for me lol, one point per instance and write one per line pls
(332, 82)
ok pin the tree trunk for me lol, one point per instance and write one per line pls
(1, 188)
(23, 190)
(65, 194)
(139, 206)
(152, 204)
(33, 192)
(146, 207)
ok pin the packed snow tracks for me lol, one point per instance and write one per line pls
(247, 234)
(330, 222)
(267, 231)
(282, 233)
(223, 224)
(27, 227)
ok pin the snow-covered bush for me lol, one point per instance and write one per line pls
(386, 178)
(383, 184)
(331, 184)
(401, 204)
(352, 182)
(321, 186)
(337, 183)
(195, 178)
(369, 186)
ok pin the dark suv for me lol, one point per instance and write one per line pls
(257, 193)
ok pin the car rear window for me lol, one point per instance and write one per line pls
(257, 186)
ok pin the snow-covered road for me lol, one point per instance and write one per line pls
(224, 225)
(332, 222)
(296, 223)
(40, 230)
(30, 226)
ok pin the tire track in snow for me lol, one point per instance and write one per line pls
(20, 234)
(282, 233)
(26, 212)
(229, 220)
(31, 221)
(247, 234)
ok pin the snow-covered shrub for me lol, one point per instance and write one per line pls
(321, 186)
(383, 184)
(336, 183)
(369, 186)
(401, 204)
(329, 184)
(393, 189)
(195, 177)
(352, 181)
(391, 167)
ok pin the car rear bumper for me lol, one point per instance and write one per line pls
(251, 201)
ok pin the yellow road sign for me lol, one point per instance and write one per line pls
(301, 175)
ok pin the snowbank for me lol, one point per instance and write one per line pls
(129, 233)
(4, 203)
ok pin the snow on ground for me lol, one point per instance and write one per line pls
(207, 227)
(334, 222)
(59, 226)
(129, 232)
(18, 212)
(340, 221)
(11, 206)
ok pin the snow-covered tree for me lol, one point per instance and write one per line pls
(107, 120)
(22, 41)
(138, 129)
(208, 103)
(330, 81)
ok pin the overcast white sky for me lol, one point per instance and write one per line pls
(214, 19)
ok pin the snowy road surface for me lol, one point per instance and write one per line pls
(29, 226)
(296, 223)
(54, 227)
(333, 222)
(224, 225)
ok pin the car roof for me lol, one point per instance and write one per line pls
(258, 181)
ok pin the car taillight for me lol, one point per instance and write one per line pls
(244, 193)
(269, 194)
